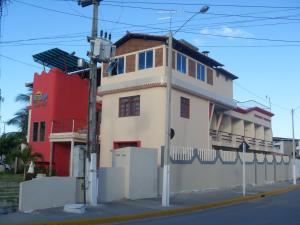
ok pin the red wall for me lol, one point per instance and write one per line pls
(67, 100)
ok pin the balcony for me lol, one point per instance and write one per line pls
(229, 140)
(70, 130)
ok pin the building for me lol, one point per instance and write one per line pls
(285, 145)
(58, 110)
(204, 113)
(131, 104)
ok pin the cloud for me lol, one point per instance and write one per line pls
(227, 31)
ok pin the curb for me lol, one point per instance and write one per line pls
(168, 212)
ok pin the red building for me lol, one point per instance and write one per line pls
(58, 117)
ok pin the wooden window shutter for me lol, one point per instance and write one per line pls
(192, 68)
(159, 57)
(130, 63)
(210, 76)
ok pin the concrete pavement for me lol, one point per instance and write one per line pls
(138, 209)
(278, 210)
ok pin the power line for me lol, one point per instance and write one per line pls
(209, 4)
(19, 61)
(241, 37)
(257, 96)
(62, 36)
(164, 30)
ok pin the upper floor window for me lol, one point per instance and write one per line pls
(39, 131)
(145, 60)
(181, 63)
(185, 107)
(200, 72)
(117, 67)
(129, 106)
(42, 131)
(35, 131)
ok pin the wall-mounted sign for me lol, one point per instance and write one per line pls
(39, 98)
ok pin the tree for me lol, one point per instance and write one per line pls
(20, 118)
(26, 155)
(8, 143)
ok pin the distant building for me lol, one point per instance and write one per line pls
(285, 145)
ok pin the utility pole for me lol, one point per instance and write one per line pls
(166, 169)
(294, 160)
(92, 122)
(1, 100)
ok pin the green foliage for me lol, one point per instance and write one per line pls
(26, 155)
(8, 144)
(20, 118)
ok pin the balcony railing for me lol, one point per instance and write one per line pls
(69, 125)
(225, 139)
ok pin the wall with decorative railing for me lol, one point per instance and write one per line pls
(199, 168)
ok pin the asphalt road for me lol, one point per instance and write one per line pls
(282, 209)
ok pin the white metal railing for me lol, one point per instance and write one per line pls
(187, 153)
(223, 139)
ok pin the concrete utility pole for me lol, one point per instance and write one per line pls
(166, 168)
(244, 170)
(92, 122)
(294, 160)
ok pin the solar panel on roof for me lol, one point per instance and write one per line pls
(57, 58)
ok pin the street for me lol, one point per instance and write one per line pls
(278, 210)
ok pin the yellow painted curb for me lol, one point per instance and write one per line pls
(168, 212)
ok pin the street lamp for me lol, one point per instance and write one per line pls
(293, 131)
(166, 168)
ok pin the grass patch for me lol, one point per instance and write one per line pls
(6, 176)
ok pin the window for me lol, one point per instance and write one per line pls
(129, 106)
(200, 72)
(35, 131)
(181, 63)
(185, 107)
(42, 131)
(116, 67)
(145, 60)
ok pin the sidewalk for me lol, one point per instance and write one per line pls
(193, 201)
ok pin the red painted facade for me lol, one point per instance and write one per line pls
(58, 100)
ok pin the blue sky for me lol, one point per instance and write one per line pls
(259, 41)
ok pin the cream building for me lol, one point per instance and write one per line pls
(203, 111)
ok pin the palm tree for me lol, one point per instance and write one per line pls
(26, 155)
(20, 118)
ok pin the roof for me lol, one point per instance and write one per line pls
(178, 45)
(284, 139)
(57, 58)
(226, 73)
(258, 109)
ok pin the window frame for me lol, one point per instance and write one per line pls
(201, 72)
(35, 131)
(185, 111)
(143, 58)
(129, 106)
(181, 62)
(42, 131)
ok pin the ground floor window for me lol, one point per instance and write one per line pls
(123, 144)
